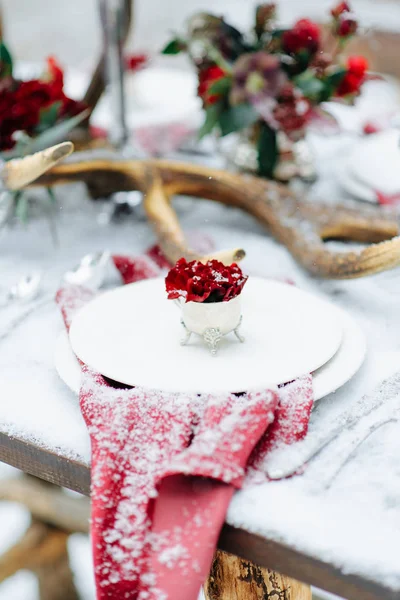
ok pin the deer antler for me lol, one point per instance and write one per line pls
(157, 204)
(20, 172)
(302, 226)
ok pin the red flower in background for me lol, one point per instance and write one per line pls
(340, 8)
(207, 77)
(304, 36)
(134, 62)
(346, 26)
(209, 282)
(22, 101)
(357, 67)
(292, 112)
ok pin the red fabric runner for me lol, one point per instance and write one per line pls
(165, 466)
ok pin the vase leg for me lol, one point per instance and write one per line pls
(212, 338)
(237, 332)
(188, 335)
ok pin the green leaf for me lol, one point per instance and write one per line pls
(234, 42)
(310, 85)
(335, 79)
(51, 136)
(6, 63)
(278, 33)
(175, 46)
(21, 207)
(331, 84)
(48, 117)
(59, 132)
(237, 117)
(221, 86)
(267, 151)
(212, 116)
(23, 143)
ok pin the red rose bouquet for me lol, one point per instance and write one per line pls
(273, 80)
(204, 282)
(29, 109)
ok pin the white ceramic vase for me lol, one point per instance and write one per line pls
(200, 316)
(211, 320)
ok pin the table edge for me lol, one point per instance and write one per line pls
(75, 475)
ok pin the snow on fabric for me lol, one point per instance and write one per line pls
(165, 466)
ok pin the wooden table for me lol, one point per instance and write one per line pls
(27, 376)
(75, 475)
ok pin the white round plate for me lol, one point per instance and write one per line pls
(343, 365)
(327, 379)
(132, 335)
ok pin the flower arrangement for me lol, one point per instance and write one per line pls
(35, 113)
(274, 79)
(204, 282)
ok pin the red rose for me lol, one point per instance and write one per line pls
(71, 107)
(34, 93)
(22, 101)
(357, 67)
(209, 282)
(340, 8)
(206, 78)
(346, 26)
(304, 36)
(19, 109)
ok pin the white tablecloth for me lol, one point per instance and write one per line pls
(354, 524)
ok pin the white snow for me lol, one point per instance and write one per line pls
(352, 520)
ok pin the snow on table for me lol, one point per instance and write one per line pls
(354, 523)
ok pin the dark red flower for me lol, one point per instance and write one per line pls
(292, 112)
(344, 23)
(357, 67)
(304, 36)
(209, 282)
(346, 26)
(20, 109)
(134, 62)
(258, 79)
(340, 8)
(207, 77)
(21, 103)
